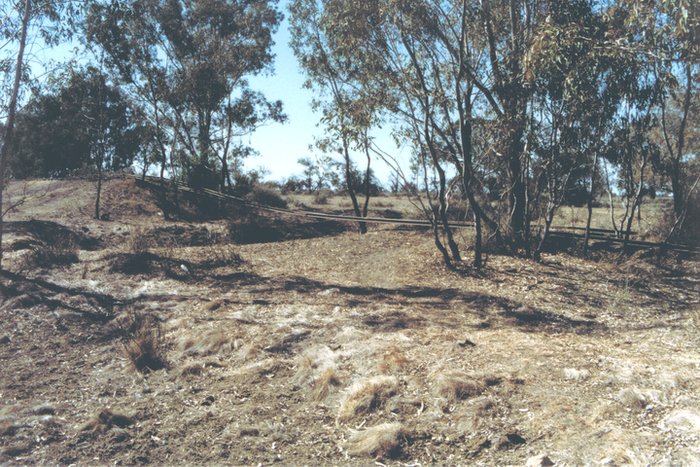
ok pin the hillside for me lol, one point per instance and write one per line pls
(333, 349)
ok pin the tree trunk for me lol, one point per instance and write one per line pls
(10, 122)
(589, 205)
(518, 197)
(99, 191)
(365, 207)
(635, 205)
(478, 261)
(351, 191)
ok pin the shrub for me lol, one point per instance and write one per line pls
(144, 347)
(267, 197)
(322, 196)
(687, 232)
(42, 255)
(139, 242)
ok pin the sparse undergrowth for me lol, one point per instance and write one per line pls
(347, 349)
(51, 255)
(144, 345)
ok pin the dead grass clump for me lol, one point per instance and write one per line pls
(106, 420)
(322, 385)
(486, 408)
(145, 346)
(220, 256)
(138, 242)
(383, 440)
(637, 399)
(61, 253)
(458, 386)
(209, 343)
(260, 371)
(305, 370)
(192, 370)
(393, 359)
(367, 395)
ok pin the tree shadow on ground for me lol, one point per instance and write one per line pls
(93, 306)
(644, 290)
(438, 306)
(51, 232)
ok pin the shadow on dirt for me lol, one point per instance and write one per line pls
(32, 291)
(48, 232)
(263, 229)
(445, 307)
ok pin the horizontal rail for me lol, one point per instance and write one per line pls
(559, 231)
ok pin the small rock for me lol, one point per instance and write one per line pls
(466, 343)
(539, 461)
(576, 375)
(44, 410)
(208, 401)
(685, 420)
(328, 292)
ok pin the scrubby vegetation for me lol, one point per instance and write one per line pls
(523, 291)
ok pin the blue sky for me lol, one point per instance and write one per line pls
(281, 145)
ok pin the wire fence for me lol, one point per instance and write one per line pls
(571, 232)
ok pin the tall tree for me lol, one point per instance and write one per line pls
(84, 125)
(12, 109)
(188, 62)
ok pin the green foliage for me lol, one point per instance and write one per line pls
(266, 196)
(188, 61)
(71, 129)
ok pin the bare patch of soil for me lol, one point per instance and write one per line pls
(341, 349)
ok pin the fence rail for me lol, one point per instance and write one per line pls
(597, 234)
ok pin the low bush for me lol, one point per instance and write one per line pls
(49, 255)
(144, 346)
(322, 197)
(267, 197)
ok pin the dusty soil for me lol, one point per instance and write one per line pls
(341, 349)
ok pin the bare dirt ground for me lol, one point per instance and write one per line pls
(342, 349)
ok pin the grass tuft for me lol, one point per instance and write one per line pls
(383, 440)
(145, 346)
(367, 395)
(456, 386)
(42, 255)
(322, 385)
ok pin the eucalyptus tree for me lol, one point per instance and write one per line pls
(580, 84)
(457, 78)
(349, 109)
(673, 28)
(21, 26)
(188, 61)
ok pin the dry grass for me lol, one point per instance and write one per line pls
(144, 348)
(138, 241)
(323, 384)
(209, 343)
(106, 420)
(383, 440)
(394, 358)
(455, 386)
(367, 395)
(50, 255)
